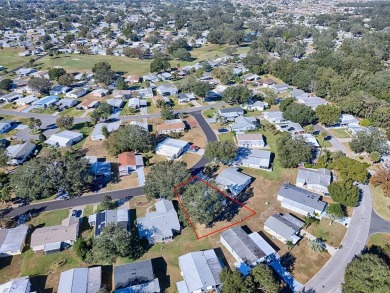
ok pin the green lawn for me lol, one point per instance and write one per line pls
(227, 136)
(209, 113)
(77, 62)
(339, 132)
(380, 239)
(381, 203)
(88, 210)
(83, 128)
(47, 111)
(50, 218)
(71, 112)
(9, 58)
(323, 143)
(44, 199)
(331, 234)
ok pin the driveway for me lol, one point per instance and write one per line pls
(141, 176)
(331, 276)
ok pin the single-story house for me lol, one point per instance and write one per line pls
(247, 250)
(115, 103)
(99, 168)
(230, 114)
(354, 129)
(242, 124)
(150, 77)
(46, 102)
(316, 180)
(252, 158)
(309, 138)
(88, 104)
(12, 240)
(26, 100)
(266, 82)
(175, 125)
(121, 94)
(171, 148)
(200, 271)
(5, 127)
(143, 125)
(18, 153)
(76, 93)
(233, 180)
(129, 162)
(165, 76)
(290, 127)
(52, 238)
(99, 93)
(251, 140)
(256, 106)
(11, 97)
(146, 93)
(59, 90)
(136, 277)
(185, 98)
(97, 133)
(347, 119)
(80, 280)
(160, 225)
(136, 103)
(284, 227)
(119, 217)
(299, 94)
(167, 90)
(65, 138)
(24, 71)
(300, 200)
(164, 100)
(134, 78)
(19, 285)
(275, 117)
(311, 101)
(249, 77)
(279, 88)
(66, 103)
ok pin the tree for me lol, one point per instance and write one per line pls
(164, 177)
(81, 247)
(289, 244)
(121, 84)
(264, 279)
(65, 122)
(129, 138)
(6, 84)
(328, 114)
(103, 73)
(316, 245)
(375, 157)
(167, 112)
(236, 94)
(107, 203)
(103, 111)
(293, 150)
(310, 220)
(159, 64)
(34, 123)
(335, 211)
(344, 192)
(300, 113)
(202, 203)
(285, 103)
(223, 151)
(382, 178)
(39, 84)
(200, 88)
(371, 140)
(367, 273)
(350, 169)
(233, 282)
(56, 72)
(182, 54)
(309, 128)
(66, 79)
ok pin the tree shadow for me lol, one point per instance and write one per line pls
(288, 261)
(5, 261)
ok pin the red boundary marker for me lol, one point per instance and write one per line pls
(219, 191)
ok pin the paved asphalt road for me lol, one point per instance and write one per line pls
(378, 224)
(117, 194)
(330, 277)
(337, 145)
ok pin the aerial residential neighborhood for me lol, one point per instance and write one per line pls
(194, 146)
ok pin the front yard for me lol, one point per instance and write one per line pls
(381, 203)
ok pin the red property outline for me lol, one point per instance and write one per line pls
(219, 191)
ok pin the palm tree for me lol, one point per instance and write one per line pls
(290, 245)
(317, 245)
(309, 128)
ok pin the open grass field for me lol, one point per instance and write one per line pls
(382, 240)
(10, 60)
(381, 203)
(227, 136)
(331, 234)
(50, 218)
(339, 132)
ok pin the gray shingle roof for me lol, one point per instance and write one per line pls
(243, 245)
(285, 225)
(231, 176)
(321, 176)
(135, 273)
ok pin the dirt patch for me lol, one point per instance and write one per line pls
(96, 148)
(124, 182)
(190, 159)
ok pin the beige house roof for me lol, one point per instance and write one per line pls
(170, 126)
(53, 234)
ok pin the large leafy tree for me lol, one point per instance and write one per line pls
(223, 151)
(55, 73)
(237, 94)
(344, 192)
(164, 177)
(159, 64)
(293, 150)
(202, 203)
(39, 84)
(6, 84)
(300, 113)
(264, 279)
(234, 282)
(103, 73)
(167, 112)
(367, 273)
(130, 138)
(382, 178)
(65, 122)
(350, 169)
(371, 140)
(335, 211)
(328, 114)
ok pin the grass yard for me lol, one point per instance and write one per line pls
(382, 240)
(10, 60)
(212, 51)
(227, 136)
(71, 112)
(50, 218)
(88, 210)
(209, 113)
(47, 111)
(381, 203)
(86, 62)
(44, 199)
(323, 143)
(339, 132)
(253, 113)
(331, 234)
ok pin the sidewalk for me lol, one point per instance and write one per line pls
(332, 250)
